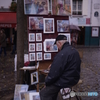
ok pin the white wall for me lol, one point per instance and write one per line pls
(81, 20)
(5, 3)
(95, 7)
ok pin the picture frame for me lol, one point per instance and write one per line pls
(24, 96)
(32, 56)
(95, 31)
(48, 25)
(36, 7)
(20, 88)
(31, 47)
(47, 56)
(63, 26)
(31, 37)
(39, 56)
(38, 36)
(38, 46)
(61, 7)
(36, 23)
(49, 45)
(34, 96)
(67, 35)
(34, 78)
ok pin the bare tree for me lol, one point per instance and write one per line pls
(21, 22)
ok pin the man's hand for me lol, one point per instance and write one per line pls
(49, 67)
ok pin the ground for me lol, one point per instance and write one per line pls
(90, 73)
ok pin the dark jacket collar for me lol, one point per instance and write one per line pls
(65, 45)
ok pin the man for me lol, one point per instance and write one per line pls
(64, 71)
(14, 41)
(2, 42)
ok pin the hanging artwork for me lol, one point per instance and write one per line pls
(48, 25)
(31, 37)
(38, 36)
(49, 45)
(39, 56)
(62, 26)
(32, 56)
(31, 47)
(61, 7)
(37, 7)
(47, 56)
(38, 46)
(36, 23)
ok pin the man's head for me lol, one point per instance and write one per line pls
(60, 40)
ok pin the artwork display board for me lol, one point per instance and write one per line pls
(41, 41)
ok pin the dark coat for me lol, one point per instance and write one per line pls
(65, 69)
(3, 40)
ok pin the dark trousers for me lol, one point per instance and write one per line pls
(4, 48)
(49, 93)
(14, 49)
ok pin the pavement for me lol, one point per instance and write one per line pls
(90, 74)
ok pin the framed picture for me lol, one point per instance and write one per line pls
(49, 45)
(47, 56)
(67, 35)
(34, 78)
(62, 26)
(31, 37)
(32, 56)
(31, 47)
(38, 46)
(24, 96)
(61, 7)
(38, 36)
(48, 25)
(95, 31)
(39, 56)
(34, 96)
(19, 88)
(36, 23)
(37, 7)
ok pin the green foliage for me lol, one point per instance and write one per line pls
(13, 6)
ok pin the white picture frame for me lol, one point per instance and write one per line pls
(31, 47)
(31, 37)
(39, 56)
(67, 35)
(34, 96)
(47, 56)
(38, 46)
(24, 95)
(38, 36)
(49, 45)
(48, 25)
(20, 88)
(32, 56)
(34, 78)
